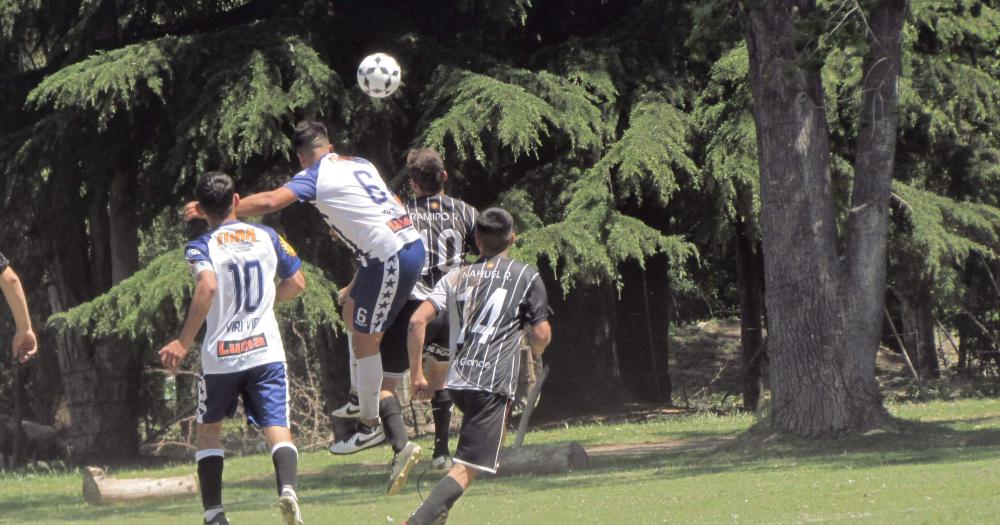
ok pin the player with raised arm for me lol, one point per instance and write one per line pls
(235, 265)
(446, 225)
(25, 345)
(489, 304)
(351, 195)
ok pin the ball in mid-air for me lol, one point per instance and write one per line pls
(379, 75)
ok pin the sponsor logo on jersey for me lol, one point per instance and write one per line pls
(242, 346)
(399, 223)
(477, 363)
(236, 240)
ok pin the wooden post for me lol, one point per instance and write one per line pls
(544, 459)
(529, 407)
(98, 489)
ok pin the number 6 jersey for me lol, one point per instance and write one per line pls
(489, 303)
(242, 332)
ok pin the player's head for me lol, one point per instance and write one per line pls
(494, 231)
(311, 142)
(216, 196)
(426, 170)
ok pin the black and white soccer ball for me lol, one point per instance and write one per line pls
(379, 75)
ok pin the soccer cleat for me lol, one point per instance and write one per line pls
(364, 437)
(289, 505)
(402, 464)
(349, 410)
(442, 462)
(219, 519)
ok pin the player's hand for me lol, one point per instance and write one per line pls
(421, 390)
(172, 355)
(25, 346)
(342, 295)
(192, 211)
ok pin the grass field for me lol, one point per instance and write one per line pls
(944, 467)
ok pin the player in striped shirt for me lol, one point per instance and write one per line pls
(235, 265)
(489, 304)
(356, 203)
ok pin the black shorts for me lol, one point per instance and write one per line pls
(395, 359)
(484, 421)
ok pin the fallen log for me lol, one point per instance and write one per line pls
(98, 489)
(542, 459)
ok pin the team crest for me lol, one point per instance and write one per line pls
(435, 205)
(490, 265)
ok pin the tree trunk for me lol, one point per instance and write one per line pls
(124, 225)
(583, 354)
(101, 381)
(748, 274)
(918, 329)
(824, 313)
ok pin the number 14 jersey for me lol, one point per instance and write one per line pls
(489, 304)
(242, 332)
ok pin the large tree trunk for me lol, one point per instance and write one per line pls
(123, 220)
(748, 273)
(824, 313)
(101, 381)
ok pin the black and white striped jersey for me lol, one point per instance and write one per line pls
(447, 225)
(489, 304)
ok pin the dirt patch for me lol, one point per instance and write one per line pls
(655, 447)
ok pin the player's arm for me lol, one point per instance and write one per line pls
(251, 206)
(290, 288)
(539, 337)
(415, 335)
(25, 344)
(204, 293)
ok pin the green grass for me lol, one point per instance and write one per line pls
(942, 468)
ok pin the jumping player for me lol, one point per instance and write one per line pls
(25, 345)
(446, 225)
(353, 198)
(489, 303)
(242, 356)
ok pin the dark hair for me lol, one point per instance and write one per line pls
(215, 193)
(426, 169)
(310, 134)
(494, 228)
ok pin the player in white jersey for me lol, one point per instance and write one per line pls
(235, 265)
(351, 195)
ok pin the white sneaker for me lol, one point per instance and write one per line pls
(360, 440)
(289, 504)
(349, 410)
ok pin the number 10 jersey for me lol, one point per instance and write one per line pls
(242, 332)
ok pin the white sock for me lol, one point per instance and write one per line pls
(354, 365)
(369, 385)
(287, 490)
(210, 514)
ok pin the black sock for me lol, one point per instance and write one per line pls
(285, 457)
(444, 495)
(441, 412)
(210, 478)
(392, 423)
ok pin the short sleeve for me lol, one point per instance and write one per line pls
(303, 185)
(196, 254)
(4, 263)
(536, 302)
(288, 260)
(439, 295)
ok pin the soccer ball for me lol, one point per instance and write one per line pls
(379, 75)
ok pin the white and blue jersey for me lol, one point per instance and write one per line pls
(242, 332)
(357, 204)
